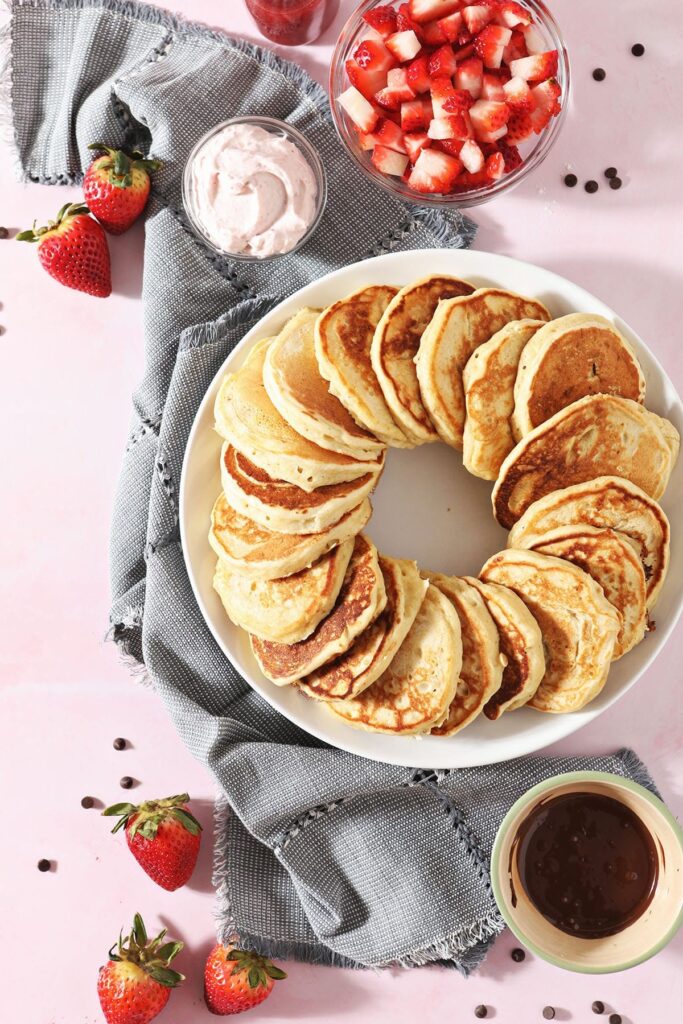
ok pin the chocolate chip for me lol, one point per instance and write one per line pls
(615, 1018)
(480, 1012)
(570, 180)
(518, 955)
(120, 743)
(591, 186)
(4, 233)
(598, 1006)
(548, 1013)
(599, 74)
(44, 865)
(637, 49)
(87, 802)
(611, 172)
(126, 782)
(615, 183)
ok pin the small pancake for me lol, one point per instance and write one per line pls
(396, 343)
(343, 336)
(248, 420)
(521, 647)
(300, 394)
(489, 383)
(481, 671)
(571, 357)
(613, 562)
(457, 328)
(416, 690)
(285, 610)
(608, 502)
(265, 555)
(284, 507)
(361, 599)
(598, 435)
(372, 653)
(578, 624)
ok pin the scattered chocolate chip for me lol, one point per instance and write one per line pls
(87, 802)
(591, 186)
(548, 1013)
(598, 1006)
(518, 955)
(615, 1018)
(615, 183)
(570, 180)
(611, 172)
(120, 743)
(4, 233)
(599, 74)
(126, 782)
(480, 1012)
(44, 865)
(637, 49)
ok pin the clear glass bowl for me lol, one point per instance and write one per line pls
(275, 127)
(533, 152)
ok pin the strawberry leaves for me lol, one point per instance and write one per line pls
(257, 967)
(154, 956)
(146, 818)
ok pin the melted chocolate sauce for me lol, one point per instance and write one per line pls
(587, 863)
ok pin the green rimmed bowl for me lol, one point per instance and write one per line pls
(640, 940)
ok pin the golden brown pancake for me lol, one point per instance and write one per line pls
(361, 599)
(596, 436)
(396, 343)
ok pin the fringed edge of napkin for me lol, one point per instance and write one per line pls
(7, 134)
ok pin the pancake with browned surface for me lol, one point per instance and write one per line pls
(248, 420)
(571, 357)
(282, 506)
(283, 610)
(521, 648)
(416, 690)
(300, 394)
(613, 561)
(396, 343)
(372, 653)
(457, 328)
(489, 384)
(578, 624)
(607, 503)
(264, 554)
(343, 337)
(596, 436)
(481, 671)
(361, 599)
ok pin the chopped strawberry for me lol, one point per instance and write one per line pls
(492, 88)
(389, 161)
(416, 114)
(390, 135)
(471, 156)
(389, 99)
(469, 75)
(464, 52)
(428, 10)
(520, 127)
(488, 116)
(536, 68)
(362, 113)
(434, 171)
(441, 90)
(382, 19)
(511, 14)
(442, 62)
(367, 140)
(404, 23)
(418, 74)
(494, 167)
(533, 40)
(366, 82)
(450, 146)
(457, 101)
(546, 98)
(490, 43)
(434, 34)
(415, 142)
(451, 26)
(397, 81)
(511, 156)
(404, 45)
(452, 127)
(372, 55)
(476, 17)
(515, 49)
(467, 182)
(492, 137)
(517, 94)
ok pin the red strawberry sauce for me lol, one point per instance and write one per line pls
(291, 22)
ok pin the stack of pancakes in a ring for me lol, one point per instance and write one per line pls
(552, 410)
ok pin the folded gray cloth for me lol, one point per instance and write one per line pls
(325, 856)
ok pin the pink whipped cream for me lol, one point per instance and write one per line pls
(253, 192)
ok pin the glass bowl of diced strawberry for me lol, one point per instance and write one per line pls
(449, 102)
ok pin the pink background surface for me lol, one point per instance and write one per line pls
(69, 364)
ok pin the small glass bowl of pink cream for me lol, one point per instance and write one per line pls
(254, 188)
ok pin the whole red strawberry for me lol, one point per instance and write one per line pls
(235, 980)
(135, 984)
(116, 187)
(163, 836)
(73, 249)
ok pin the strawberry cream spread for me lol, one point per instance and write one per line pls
(254, 192)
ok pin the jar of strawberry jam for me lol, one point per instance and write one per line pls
(291, 22)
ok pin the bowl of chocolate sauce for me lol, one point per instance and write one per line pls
(587, 871)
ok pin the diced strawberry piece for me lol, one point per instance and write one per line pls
(367, 140)
(452, 127)
(390, 115)
(404, 23)
(390, 135)
(488, 116)
(520, 127)
(467, 182)
(451, 26)
(517, 94)
(492, 88)
(415, 114)
(537, 68)
(372, 55)
(428, 10)
(476, 17)
(464, 52)
(362, 113)
(382, 19)
(534, 41)
(458, 101)
(441, 90)
(490, 43)
(389, 99)
(469, 75)
(495, 166)
(389, 161)
(491, 138)
(442, 62)
(404, 45)
(546, 98)
(418, 74)
(397, 81)
(367, 82)
(415, 142)
(471, 157)
(511, 14)
(434, 171)
(515, 49)
(433, 34)
(511, 156)
(450, 146)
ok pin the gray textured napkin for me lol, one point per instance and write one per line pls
(324, 856)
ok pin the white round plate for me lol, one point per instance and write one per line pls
(426, 507)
